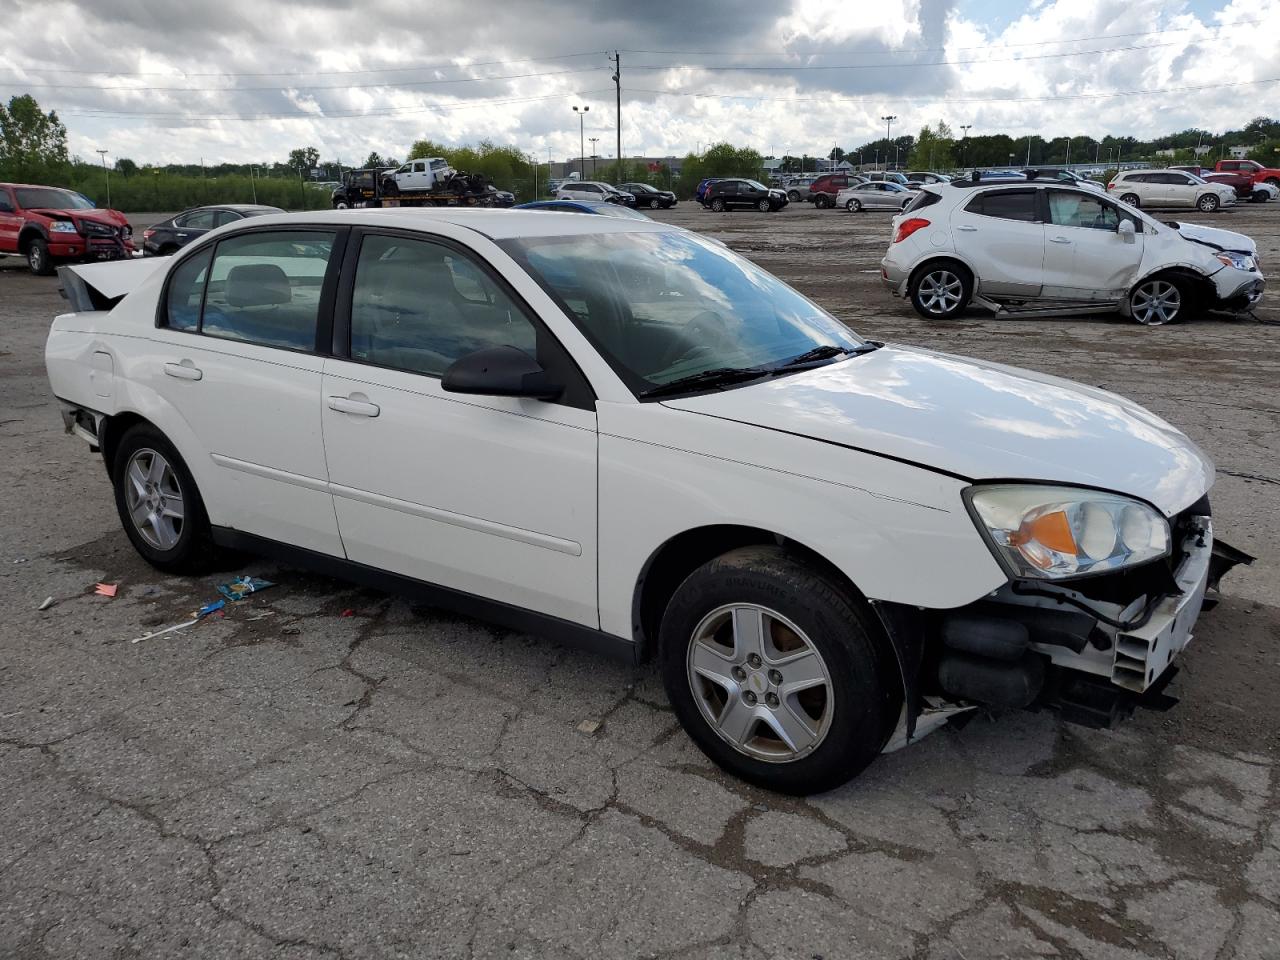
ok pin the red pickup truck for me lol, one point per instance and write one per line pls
(48, 224)
(1251, 168)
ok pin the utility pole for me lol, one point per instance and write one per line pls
(888, 128)
(106, 174)
(617, 82)
(1028, 149)
(582, 146)
(253, 182)
(964, 143)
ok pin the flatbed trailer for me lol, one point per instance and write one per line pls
(367, 188)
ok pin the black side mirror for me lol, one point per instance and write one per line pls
(500, 372)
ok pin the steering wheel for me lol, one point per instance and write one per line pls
(706, 325)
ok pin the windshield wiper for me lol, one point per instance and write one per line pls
(709, 379)
(825, 352)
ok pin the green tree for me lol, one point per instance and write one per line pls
(1267, 153)
(126, 167)
(31, 141)
(720, 160)
(304, 158)
(933, 149)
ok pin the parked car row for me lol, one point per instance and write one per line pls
(628, 194)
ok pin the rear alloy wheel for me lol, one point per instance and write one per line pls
(822, 201)
(159, 504)
(774, 673)
(1208, 203)
(1157, 301)
(1131, 199)
(38, 259)
(762, 206)
(717, 205)
(940, 291)
(854, 205)
(794, 196)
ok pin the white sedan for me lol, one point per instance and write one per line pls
(875, 195)
(622, 436)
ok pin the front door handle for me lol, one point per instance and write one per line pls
(186, 370)
(1059, 240)
(358, 408)
(967, 229)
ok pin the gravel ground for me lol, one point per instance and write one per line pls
(296, 782)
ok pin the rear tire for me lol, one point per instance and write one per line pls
(38, 259)
(941, 290)
(822, 201)
(794, 196)
(1209, 203)
(152, 484)
(854, 205)
(1131, 199)
(775, 671)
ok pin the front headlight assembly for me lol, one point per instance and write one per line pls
(1052, 533)
(62, 226)
(1241, 261)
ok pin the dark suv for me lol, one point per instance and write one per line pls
(727, 194)
(647, 196)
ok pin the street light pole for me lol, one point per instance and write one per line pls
(106, 174)
(888, 135)
(582, 146)
(594, 153)
(964, 143)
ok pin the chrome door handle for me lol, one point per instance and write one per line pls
(358, 408)
(185, 370)
(1059, 240)
(967, 229)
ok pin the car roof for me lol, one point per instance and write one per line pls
(494, 224)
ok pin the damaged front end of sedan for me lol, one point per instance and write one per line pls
(1092, 647)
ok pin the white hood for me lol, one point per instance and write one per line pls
(977, 420)
(1224, 239)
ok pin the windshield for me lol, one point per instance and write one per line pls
(664, 306)
(49, 198)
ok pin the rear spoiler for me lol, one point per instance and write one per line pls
(90, 287)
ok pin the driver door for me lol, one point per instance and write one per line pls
(1085, 257)
(489, 496)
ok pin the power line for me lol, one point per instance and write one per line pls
(329, 86)
(1030, 43)
(315, 73)
(942, 99)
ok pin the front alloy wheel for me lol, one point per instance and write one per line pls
(38, 259)
(762, 206)
(717, 205)
(1156, 302)
(760, 683)
(1208, 203)
(654, 204)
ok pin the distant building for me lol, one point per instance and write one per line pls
(561, 170)
(1166, 153)
(1238, 153)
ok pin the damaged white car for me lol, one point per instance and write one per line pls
(1038, 249)
(619, 435)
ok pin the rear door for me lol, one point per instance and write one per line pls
(1085, 258)
(189, 226)
(1000, 232)
(236, 358)
(490, 496)
(1179, 189)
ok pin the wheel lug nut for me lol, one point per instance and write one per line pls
(775, 677)
(754, 660)
(771, 699)
(749, 698)
(739, 674)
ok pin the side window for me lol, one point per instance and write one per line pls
(1069, 209)
(226, 216)
(1006, 205)
(265, 288)
(419, 306)
(419, 167)
(199, 220)
(185, 293)
(6, 202)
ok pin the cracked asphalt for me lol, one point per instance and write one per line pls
(331, 772)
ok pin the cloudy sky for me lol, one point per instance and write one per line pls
(244, 80)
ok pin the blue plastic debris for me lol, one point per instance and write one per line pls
(241, 587)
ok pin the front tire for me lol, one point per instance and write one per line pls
(775, 673)
(159, 505)
(717, 205)
(1159, 300)
(1208, 203)
(38, 259)
(1131, 199)
(654, 204)
(763, 206)
(941, 290)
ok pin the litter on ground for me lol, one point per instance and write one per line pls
(241, 587)
(106, 589)
(48, 602)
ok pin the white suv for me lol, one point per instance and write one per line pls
(1019, 247)
(1170, 188)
